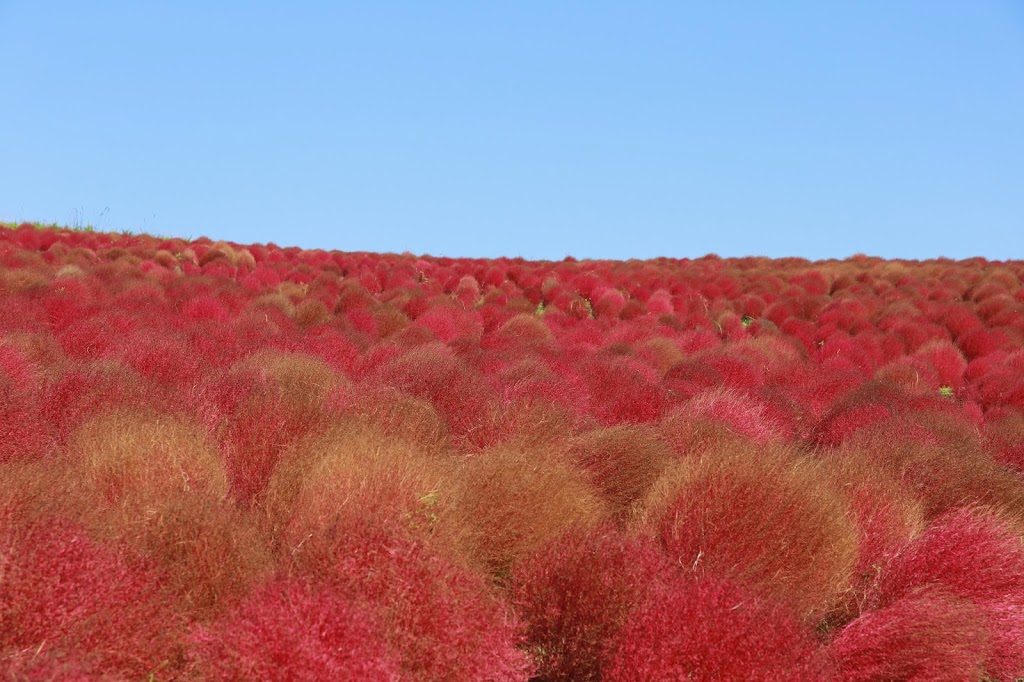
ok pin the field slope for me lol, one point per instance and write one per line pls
(240, 462)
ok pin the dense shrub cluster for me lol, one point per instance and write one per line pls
(221, 461)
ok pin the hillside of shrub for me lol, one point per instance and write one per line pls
(225, 461)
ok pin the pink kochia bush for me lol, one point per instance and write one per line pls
(226, 461)
(946, 557)
(927, 634)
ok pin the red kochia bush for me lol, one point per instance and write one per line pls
(868, 404)
(623, 390)
(713, 630)
(433, 372)
(609, 304)
(24, 434)
(575, 593)
(288, 630)
(206, 308)
(439, 618)
(1005, 437)
(61, 591)
(982, 342)
(450, 322)
(947, 362)
(163, 358)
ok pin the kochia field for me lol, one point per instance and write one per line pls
(249, 462)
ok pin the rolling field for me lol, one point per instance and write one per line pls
(231, 462)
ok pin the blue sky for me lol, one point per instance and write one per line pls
(534, 129)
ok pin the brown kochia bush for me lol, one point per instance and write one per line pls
(525, 423)
(767, 517)
(942, 459)
(372, 516)
(622, 462)
(303, 382)
(522, 333)
(509, 503)
(887, 516)
(284, 398)
(145, 457)
(400, 416)
(157, 482)
(353, 472)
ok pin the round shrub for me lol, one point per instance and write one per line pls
(924, 635)
(713, 630)
(767, 517)
(510, 503)
(575, 593)
(289, 630)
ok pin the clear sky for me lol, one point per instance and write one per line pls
(540, 129)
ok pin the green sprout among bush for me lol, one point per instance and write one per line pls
(428, 501)
(946, 391)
